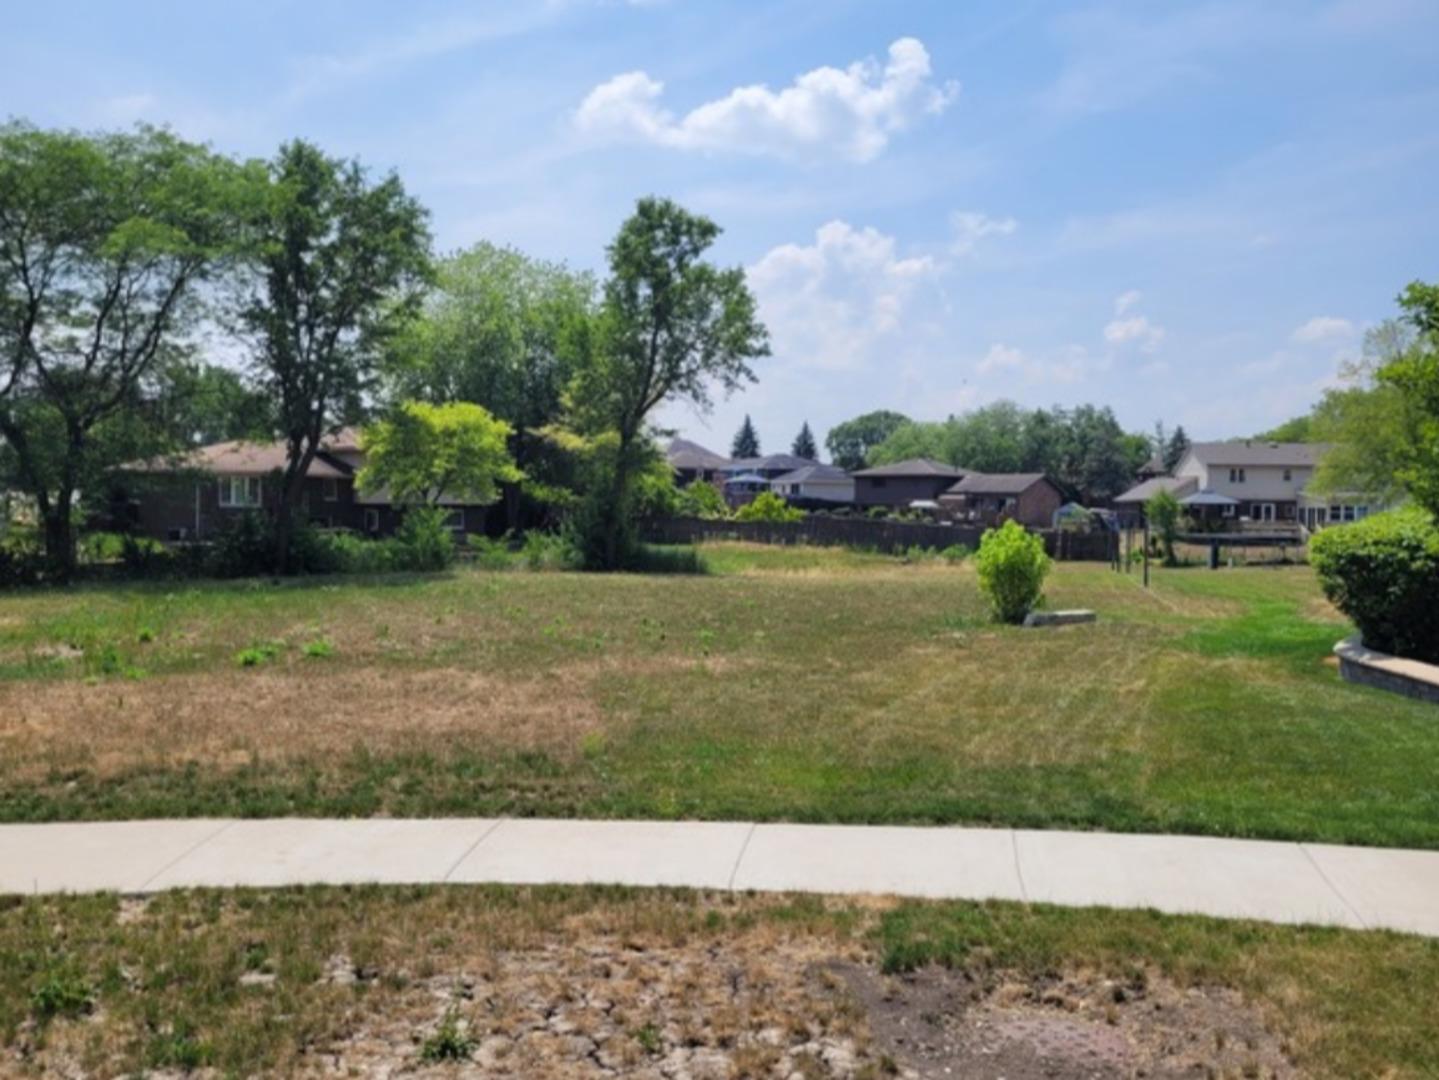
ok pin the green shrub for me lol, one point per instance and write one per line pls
(767, 506)
(1012, 567)
(1383, 573)
(701, 500)
(547, 551)
(955, 554)
(424, 542)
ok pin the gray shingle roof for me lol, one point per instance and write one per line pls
(995, 483)
(1142, 493)
(1258, 452)
(913, 467)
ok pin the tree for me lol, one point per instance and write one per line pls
(670, 325)
(849, 443)
(1367, 423)
(1414, 376)
(746, 442)
(104, 243)
(804, 446)
(1175, 449)
(338, 269)
(505, 331)
(202, 403)
(1163, 513)
(423, 452)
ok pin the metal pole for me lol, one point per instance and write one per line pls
(1146, 552)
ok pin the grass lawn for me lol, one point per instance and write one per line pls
(802, 684)
(550, 982)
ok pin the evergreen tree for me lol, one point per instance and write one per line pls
(1175, 449)
(746, 442)
(804, 444)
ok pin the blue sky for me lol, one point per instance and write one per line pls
(1186, 211)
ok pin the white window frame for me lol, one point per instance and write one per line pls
(331, 490)
(1236, 476)
(372, 519)
(240, 492)
(455, 519)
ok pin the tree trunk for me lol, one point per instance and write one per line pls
(59, 538)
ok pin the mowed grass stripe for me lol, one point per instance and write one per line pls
(789, 684)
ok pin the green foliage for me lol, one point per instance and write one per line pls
(319, 649)
(767, 506)
(338, 265)
(423, 452)
(545, 551)
(423, 542)
(260, 654)
(701, 500)
(507, 332)
(1083, 448)
(61, 993)
(850, 443)
(956, 554)
(1383, 572)
(1012, 567)
(450, 1041)
(1414, 376)
(804, 445)
(746, 441)
(105, 242)
(671, 325)
(1163, 513)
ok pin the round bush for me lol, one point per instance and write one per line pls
(1383, 572)
(1012, 567)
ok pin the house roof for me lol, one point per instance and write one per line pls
(1208, 498)
(1142, 493)
(241, 458)
(683, 454)
(346, 440)
(913, 467)
(783, 462)
(1256, 452)
(995, 484)
(812, 474)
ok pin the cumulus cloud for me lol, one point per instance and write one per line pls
(970, 228)
(1127, 300)
(849, 113)
(829, 305)
(999, 358)
(1126, 330)
(1323, 328)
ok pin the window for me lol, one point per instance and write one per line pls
(1236, 476)
(239, 491)
(372, 520)
(1288, 474)
(332, 491)
(455, 520)
(1230, 510)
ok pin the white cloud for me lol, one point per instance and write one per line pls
(1132, 330)
(999, 358)
(829, 305)
(1124, 301)
(1323, 328)
(830, 112)
(970, 228)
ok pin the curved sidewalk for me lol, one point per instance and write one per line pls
(1276, 882)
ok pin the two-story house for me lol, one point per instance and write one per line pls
(1266, 480)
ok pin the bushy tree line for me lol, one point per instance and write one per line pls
(122, 254)
(1084, 448)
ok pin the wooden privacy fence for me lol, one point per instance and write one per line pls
(879, 535)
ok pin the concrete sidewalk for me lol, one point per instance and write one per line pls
(1277, 882)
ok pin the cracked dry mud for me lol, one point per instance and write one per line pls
(725, 1012)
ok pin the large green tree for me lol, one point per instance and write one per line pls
(339, 267)
(671, 327)
(105, 241)
(849, 443)
(422, 453)
(1414, 376)
(507, 332)
(1367, 423)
